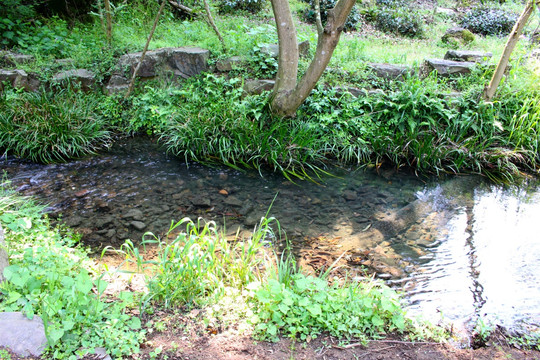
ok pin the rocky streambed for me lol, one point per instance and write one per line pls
(443, 243)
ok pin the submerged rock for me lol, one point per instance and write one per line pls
(139, 225)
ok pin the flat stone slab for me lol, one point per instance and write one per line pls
(86, 79)
(22, 336)
(181, 62)
(273, 49)
(468, 55)
(389, 71)
(448, 67)
(257, 87)
(229, 64)
(17, 59)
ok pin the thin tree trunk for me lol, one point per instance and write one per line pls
(286, 99)
(288, 53)
(100, 9)
(513, 38)
(156, 20)
(318, 20)
(213, 24)
(109, 21)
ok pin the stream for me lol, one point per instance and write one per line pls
(458, 248)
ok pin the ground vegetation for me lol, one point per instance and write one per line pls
(246, 284)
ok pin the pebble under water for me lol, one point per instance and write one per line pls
(458, 248)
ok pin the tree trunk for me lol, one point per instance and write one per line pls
(288, 95)
(109, 21)
(513, 38)
(288, 53)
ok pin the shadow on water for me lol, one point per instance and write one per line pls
(458, 248)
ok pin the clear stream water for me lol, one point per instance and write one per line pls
(458, 248)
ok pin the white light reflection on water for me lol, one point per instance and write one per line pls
(488, 263)
(506, 236)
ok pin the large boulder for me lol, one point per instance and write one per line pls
(457, 36)
(4, 259)
(85, 79)
(447, 67)
(21, 335)
(388, 71)
(179, 62)
(468, 55)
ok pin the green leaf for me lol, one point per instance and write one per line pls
(54, 335)
(135, 323)
(314, 309)
(101, 285)
(12, 297)
(83, 283)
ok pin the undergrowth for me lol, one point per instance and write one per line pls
(48, 126)
(51, 277)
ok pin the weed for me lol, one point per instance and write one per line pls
(198, 264)
(50, 278)
(308, 306)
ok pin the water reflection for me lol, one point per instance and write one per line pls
(488, 263)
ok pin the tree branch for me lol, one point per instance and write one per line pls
(318, 20)
(213, 24)
(156, 20)
(182, 8)
(513, 38)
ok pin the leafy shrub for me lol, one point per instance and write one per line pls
(307, 306)
(399, 20)
(150, 110)
(215, 122)
(51, 278)
(263, 66)
(52, 39)
(326, 5)
(14, 20)
(48, 127)
(487, 21)
(234, 6)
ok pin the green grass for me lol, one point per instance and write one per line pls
(49, 126)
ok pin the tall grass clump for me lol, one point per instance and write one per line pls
(216, 123)
(48, 127)
(417, 126)
(198, 264)
(49, 276)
